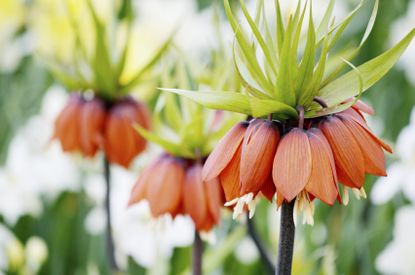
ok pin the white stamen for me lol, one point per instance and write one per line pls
(345, 198)
(240, 202)
(306, 207)
(359, 193)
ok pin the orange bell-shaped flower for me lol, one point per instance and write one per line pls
(67, 125)
(174, 186)
(202, 199)
(92, 123)
(121, 142)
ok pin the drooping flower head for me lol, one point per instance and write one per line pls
(100, 113)
(305, 132)
(173, 183)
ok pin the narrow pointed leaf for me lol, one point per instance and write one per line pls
(263, 107)
(166, 144)
(347, 86)
(228, 101)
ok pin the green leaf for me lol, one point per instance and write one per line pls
(166, 144)
(172, 112)
(246, 77)
(136, 79)
(270, 58)
(347, 86)
(227, 101)
(285, 90)
(248, 52)
(322, 28)
(371, 23)
(101, 62)
(340, 27)
(279, 28)
(263, 107)
(307, 63)
(317, 111)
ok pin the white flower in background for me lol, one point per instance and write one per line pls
(36, 168)
(398, 256)
(148, 241)
(246, 251)
(36, 253)
(401, 173)
(398, 30)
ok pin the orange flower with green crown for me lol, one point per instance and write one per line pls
(305, 136)
(101, 110)
(173, 183)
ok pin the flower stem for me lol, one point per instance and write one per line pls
(109, 239)
(260, 246)
(286, 242)
(197, 254)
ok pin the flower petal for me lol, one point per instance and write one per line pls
(349, 159)
(268, 188)
(195, 203)
(139, 191)
(258, 150)
(372, 151)
(322, 182)
(292, 164)
(363, 107)
(165, 191)
(356, 117)
(67, 125)
(224, 152)
(214, 198)
(229, 177)
(92, 126)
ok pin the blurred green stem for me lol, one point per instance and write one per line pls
(286, 241)
(260, 246)
(109, 239)
(197, 254)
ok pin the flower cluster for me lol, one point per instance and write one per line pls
(86, 125)
(315, 135)
(304, 161)
(179, 188)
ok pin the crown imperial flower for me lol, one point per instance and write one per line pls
(316, 135)
(87, 125)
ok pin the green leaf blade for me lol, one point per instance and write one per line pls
(347, 86)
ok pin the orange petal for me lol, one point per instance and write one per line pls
(119, 140)
(363, 107)
(355, 116)
(214, 198)
(292, 164)
(258, 150)
(224, 151)
(195, 203)
(229, 177)
(349, 159)
(372, 151)
(268, 188)
(139, 191)
(165, 191)
(280, 199)
(322, 182)
(92, 126)
(67, 125)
